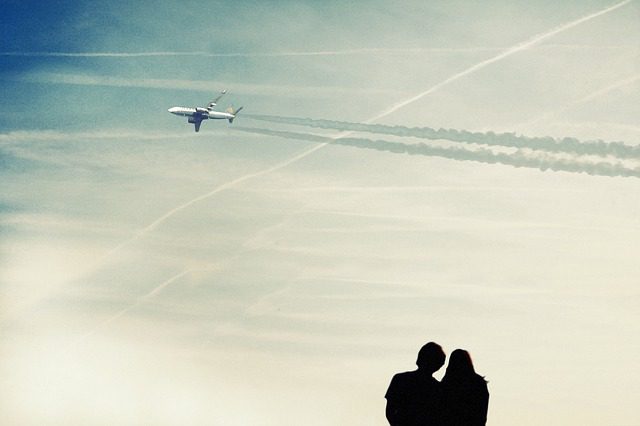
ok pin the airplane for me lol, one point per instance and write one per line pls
(197, 114)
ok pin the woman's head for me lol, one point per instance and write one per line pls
(460, 364)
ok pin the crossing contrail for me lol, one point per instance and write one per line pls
(517, 159)
(153, 225)
(601, 92)
(511, 140)
(256, 242)
(138, 302)
(508, 52)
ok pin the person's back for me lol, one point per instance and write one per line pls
(465, 397)
(413, 397)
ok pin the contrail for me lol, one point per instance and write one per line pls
(343, 52)
(325, 141)
(138, 302)
(252, 244)
(153, 225)
(375, 50)
(517, 159)
(517, 48)
(98, 54)
(598, 125)
(601, 92)
(511, 140)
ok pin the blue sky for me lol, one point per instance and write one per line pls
(151, 275)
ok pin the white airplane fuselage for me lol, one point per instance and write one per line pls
(202, 113)
(196, 115)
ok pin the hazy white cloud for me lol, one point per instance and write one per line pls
(361, 51)
(191, 85)
(320, 53)
(342, 52)
(20, 136)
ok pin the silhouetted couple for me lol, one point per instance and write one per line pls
(416, 398)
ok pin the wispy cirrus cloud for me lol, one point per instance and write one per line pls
(337, 52)
(192, 85)
(202, 54)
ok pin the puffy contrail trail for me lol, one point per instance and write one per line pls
(517, 159)
(511, 140)
(517, 48)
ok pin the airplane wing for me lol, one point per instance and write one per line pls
(215, 101)
(197, 124)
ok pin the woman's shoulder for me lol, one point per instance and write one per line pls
(480, 383)
(475, 381)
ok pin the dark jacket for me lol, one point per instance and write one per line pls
(465, 402)
(413, 399)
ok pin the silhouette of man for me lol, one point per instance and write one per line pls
(413, 397)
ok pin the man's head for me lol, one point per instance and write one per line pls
(430, 358)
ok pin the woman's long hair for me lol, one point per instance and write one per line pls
(460, 368)
(465, 398)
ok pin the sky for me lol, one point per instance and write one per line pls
(451, 171)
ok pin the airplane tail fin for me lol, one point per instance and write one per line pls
(233, 112)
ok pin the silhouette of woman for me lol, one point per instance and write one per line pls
(465, 398)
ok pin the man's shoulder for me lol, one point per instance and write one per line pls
(412, 380)
(401, 383)
(415, 375)
(406, 374)
(410, 384)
